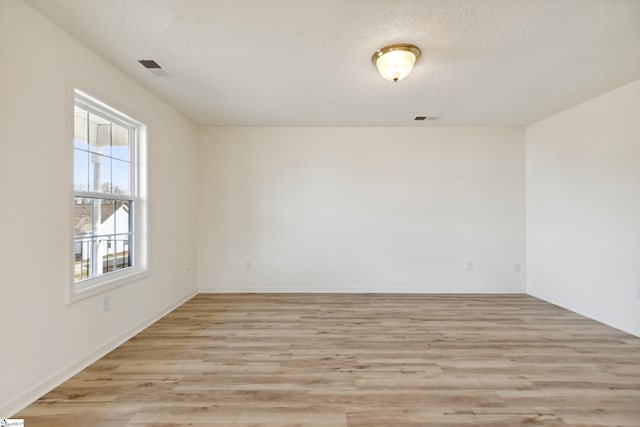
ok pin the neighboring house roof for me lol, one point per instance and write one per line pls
(82, 220)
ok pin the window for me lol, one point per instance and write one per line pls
(108, 220)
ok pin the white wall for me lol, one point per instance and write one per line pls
(583, 208)
(43, 339)
(361, 209)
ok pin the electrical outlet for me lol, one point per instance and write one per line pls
(470, 266)
(106, 304)
(516, 267)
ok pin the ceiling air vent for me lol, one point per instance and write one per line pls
(149, 63)
(153, 66)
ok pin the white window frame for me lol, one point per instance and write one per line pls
(85, 288)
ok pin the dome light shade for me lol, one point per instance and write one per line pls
(395, 61)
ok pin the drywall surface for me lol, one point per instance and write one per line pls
(361, 209)
(43, 338)
(583, 208)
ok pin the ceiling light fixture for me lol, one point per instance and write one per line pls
(395, 61)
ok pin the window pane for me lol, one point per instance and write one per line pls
(120, 143)
(99, 135)
(82, 214)
(105, 219)
(80, 128)
(102, 229)
(122, 251)
(99, 173)
(103, 244)
(109, 261)
(121, 177)
(82, 249)
(80, 170)
(123, 217)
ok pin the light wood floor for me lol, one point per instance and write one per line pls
(358, 361)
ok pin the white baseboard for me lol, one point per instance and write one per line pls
(355, 290)
(598, 317)
(45, 386)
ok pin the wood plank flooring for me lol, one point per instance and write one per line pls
(359, 361)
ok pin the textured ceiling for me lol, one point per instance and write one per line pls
(307, 62)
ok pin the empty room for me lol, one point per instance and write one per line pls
(320, 213)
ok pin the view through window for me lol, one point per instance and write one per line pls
(104, 167)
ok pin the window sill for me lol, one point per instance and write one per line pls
(104, 283)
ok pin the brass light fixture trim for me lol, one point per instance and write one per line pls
(399, 46)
